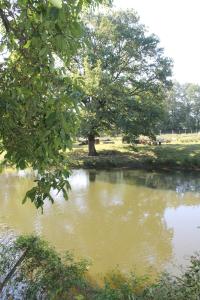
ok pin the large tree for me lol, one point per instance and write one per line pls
(123, 76)
(37, 99)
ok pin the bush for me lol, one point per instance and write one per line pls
(44, 274)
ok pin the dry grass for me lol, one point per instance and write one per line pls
(191, 138)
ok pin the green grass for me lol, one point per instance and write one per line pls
(177, 156)
(181, 152)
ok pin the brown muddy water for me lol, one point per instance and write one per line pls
(133, 220)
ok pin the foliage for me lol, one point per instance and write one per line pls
(44, 274)
(183, 287)
(118, 286)
(182, 108)
(37, 98)
(124, 78)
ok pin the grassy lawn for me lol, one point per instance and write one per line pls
(178, 154)
(182, 152)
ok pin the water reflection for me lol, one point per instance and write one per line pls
(124, 218)
(180, 182)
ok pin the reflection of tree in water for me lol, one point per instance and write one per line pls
(176, 181)
(112, 223)
(92, 176)
(119, 223)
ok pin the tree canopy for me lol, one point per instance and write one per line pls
(59, 70)
(37, 100)
(182, 108)
(123, 74)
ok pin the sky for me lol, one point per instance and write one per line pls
(177, 24)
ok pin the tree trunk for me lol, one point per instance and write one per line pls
(91, 145)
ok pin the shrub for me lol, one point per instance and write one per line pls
(44, 274)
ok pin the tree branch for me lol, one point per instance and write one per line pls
(5, 21)
(12, 271)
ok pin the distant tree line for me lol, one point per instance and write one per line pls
(182, 109)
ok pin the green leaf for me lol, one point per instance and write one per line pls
(43, 51)
(25, 199)
(27, 45)
(51, 119)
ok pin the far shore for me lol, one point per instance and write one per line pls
(176, 155)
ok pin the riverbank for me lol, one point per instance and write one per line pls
(165, 157)
(182, 154)
(40, 272)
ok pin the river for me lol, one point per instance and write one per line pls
(133, 220)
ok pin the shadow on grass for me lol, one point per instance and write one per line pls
(168, 157)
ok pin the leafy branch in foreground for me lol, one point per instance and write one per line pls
(38, 102)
